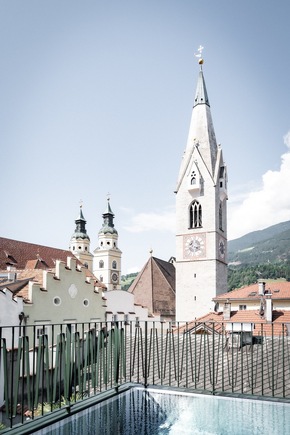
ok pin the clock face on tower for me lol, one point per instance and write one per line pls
(114, 277)
(194, 246)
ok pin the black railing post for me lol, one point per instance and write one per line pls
(146, 355)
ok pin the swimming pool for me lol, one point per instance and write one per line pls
(154, 411)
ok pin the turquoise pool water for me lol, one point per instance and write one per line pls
(153, 412)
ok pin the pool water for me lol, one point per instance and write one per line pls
(153, 412)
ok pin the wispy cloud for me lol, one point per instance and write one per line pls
(264, 207)
(154, 221)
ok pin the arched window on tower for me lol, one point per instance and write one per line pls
(193, 178)
(101, 264)
(195, 215)
(221, 216)
(114, 265)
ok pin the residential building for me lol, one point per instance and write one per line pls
(261, 309)
(55, 287)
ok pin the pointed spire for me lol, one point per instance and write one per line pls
(201, 96)
(201, 135)
(201, 93)
(80, 231)
(108, 224)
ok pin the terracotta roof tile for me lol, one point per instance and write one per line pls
(216, 322)
(278, 289)
(16, 253)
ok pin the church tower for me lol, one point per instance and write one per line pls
(107, 256)
(80, 242)
(201, 215)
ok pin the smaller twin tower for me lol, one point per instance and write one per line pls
(201, 215)
(105, 263)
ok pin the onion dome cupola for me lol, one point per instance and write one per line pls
(108, 223)
(107, 255)
(80, 231)
(80, 242)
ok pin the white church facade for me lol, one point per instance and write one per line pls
(105, 262)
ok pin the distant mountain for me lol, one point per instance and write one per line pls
(270, 245)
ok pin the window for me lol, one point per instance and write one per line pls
(101, 278)
(221, 217)
(86, 302)
(193, 178)
(57, 300)
(242, 307)
(195, 215)
(114, 265)
(101, 264)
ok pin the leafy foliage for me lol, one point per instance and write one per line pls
(246, 275)
(258, 255)
(126, 280)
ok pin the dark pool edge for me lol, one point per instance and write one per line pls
(43, 421)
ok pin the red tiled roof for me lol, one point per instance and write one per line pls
(216, 322)
(23, 254)
(30, 260)
(278, 289)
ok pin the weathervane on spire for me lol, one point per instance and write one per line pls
(199, 54)
(108, 196)
(81, 203)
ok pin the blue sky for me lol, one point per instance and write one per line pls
(96, 97)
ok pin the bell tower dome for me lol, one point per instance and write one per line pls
(107, 256)
(80, 242)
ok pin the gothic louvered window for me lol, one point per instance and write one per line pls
(195, 215)
(101, 264)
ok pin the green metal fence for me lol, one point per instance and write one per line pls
(46, 368)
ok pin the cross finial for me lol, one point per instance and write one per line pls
(108, 196)
(81, 203)
(199, 55)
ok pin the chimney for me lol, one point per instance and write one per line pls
(261, 288)
(227, 311)
(269, 308)
(11, 273)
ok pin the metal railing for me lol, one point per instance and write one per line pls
(44, 368)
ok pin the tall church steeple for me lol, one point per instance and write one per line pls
(201, 232)
(107, 256)
(80, 242)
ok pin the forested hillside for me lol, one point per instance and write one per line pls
(258, 255)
